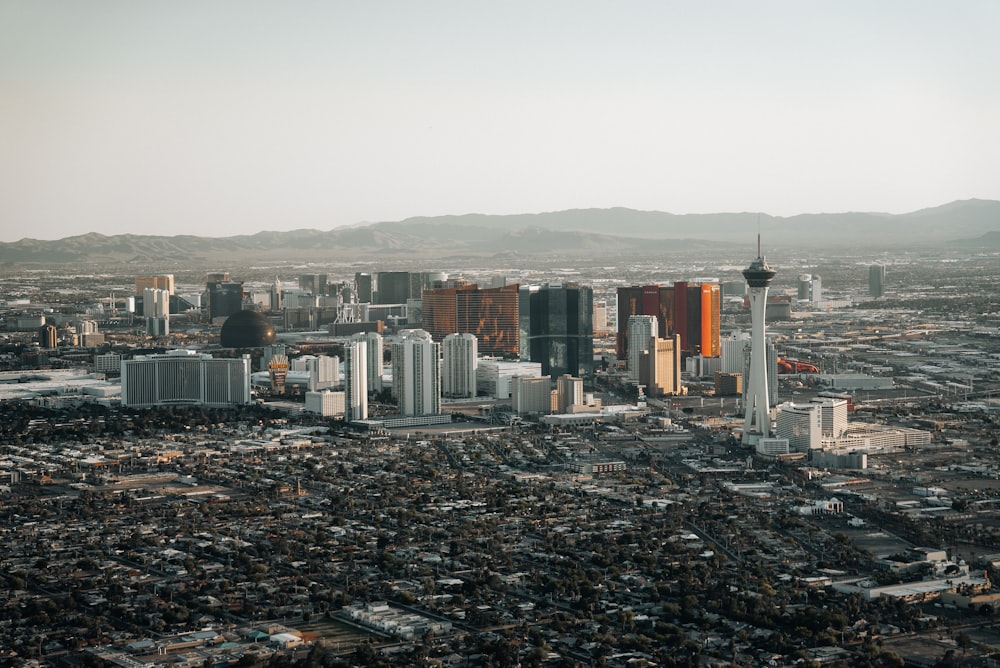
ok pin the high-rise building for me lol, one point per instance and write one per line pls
(801, 425)
(531, 396)
(876, 280)
(810, 288)
(416, 373)
(414, 311)
(833, 416)
(277, 297)
(355, 380)
(600, 318)
(376, 351)
(184, 377)
(314, 284)
(556, 327)
(224, 299)
(426, 280)
(460, 359)
(804, 287)
(156, 309)
(364, 287)
(569, 393)
(698, 308)
(439, 312)
(491, 314)
(324, 370)
(48, 336)
(393, 287)
(691, 310)
(757, 405)
(641, 330)
(660, 367)
(161, 282)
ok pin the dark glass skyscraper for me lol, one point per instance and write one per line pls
(556, 327)
(364, 287)
(393, 287)
(224, 299)
(876, 280)
(313, 283)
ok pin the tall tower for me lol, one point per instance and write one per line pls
(376, 349)
(758, 276)
(355, 381)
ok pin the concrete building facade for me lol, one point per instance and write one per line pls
(416, 373)
(184, 377)
(355, 381)
(641, 330)
(460, 359)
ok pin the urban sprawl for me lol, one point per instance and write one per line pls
(750, 462)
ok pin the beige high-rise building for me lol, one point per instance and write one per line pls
(601, 319)
(569, 391)
(660, 367)
(531, 396)
(161, 282)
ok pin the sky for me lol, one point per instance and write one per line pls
(218, 117)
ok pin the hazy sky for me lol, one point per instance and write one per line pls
(219, 118)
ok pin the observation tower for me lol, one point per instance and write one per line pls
(758, 422)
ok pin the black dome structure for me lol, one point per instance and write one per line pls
(247, 329)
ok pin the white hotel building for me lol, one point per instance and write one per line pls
(184, 377)
(461, 355)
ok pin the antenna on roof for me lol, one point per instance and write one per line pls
(758, 234)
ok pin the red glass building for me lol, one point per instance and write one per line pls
(692, 311)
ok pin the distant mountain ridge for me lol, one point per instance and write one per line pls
(574, 232)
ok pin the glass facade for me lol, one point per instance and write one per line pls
(691, 310)
(490, 314)
(224, 299)
(556, 328)
(393, 287)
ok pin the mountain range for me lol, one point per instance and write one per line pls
(973, 224)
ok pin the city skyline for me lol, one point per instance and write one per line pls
(232, 119)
